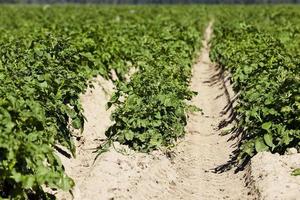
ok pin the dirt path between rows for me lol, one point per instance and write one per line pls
(205, 148)
(188, 175)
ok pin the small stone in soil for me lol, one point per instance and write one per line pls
(172, 183)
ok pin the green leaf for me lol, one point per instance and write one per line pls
(286, 139)
(286, 109)
(266, 126)
(28, 181)
(43, 84)
(296, 172)
(260, 145)
(66, 183)
(76, 123)
(269, 140)
(129, 135)
(155, 140)
(248, 148)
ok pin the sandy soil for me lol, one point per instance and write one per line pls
(272, 176)
(188, 174)
(205, 149)
(94, 101)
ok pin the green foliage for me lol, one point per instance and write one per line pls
(265, 72)
(296, 172)
(49, 53)
(47, 56)
(153, 112)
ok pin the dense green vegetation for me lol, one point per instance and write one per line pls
(47, 56)
(261, 52)
(154, 111)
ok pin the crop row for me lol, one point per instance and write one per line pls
(265, 73)
(47, 56)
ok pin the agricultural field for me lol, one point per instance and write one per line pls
(262, 55)
(196, 93)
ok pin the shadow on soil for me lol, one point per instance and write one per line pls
(222, 79)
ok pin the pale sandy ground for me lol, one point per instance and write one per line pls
(188, 175)
(272, 176)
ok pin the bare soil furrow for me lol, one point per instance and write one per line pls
(190, 172)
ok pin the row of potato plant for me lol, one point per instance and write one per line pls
(265, 74)
(47, 56)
